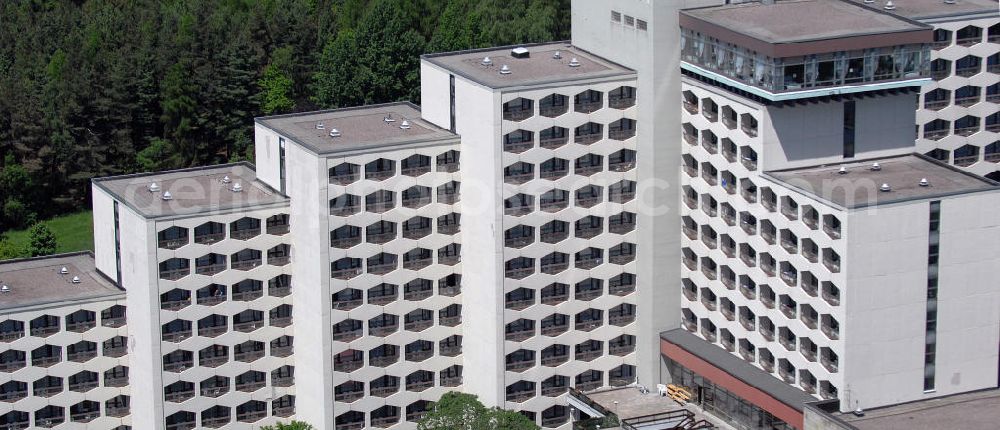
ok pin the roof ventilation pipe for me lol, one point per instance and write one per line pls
(885, 188)
(504, 70)
(889, 5)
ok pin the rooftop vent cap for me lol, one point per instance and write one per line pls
(885, 188)
(76, 280)
(889, 5)
(574, 62)
(4, 288)
(64, 271)
(859, 412)
(226, 179)
(320, 126)
(334, 132)
(924, 182)
(504, 70)
(154, 188)
(876, 167)
(869, 1)
(842, 171)
(486, 61)
(557, 55)
(405, 125)
(949, 2)
(237, 188)
(167, 196)
(520, 52)
(388, 118)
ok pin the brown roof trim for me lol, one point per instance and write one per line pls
(795, 49)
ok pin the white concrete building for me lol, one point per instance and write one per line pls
(549, 131)
(65, 353)
(814, 240)
(205, 257)
(375, 199)
(527, 232)
(958, 115)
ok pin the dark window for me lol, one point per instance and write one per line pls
(849, 117)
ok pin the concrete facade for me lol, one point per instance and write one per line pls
(528, 224)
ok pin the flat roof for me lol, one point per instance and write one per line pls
(799, 27)
(629, 402)
(193, 191)
(738, 368)
(975, 410)
(38, 281)
(539, 68)
(360, 128)
(859, 187)
(926, 9)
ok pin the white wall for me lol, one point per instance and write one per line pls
(435, 95)
(885, 330)
(139, 277)
(968, 301)
(307, 183)
(266, 156)
(482, 237)
(810, 134)
(104, 232)
(655, 55)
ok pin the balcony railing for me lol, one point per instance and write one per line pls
(280, 351)
(808, 353)
(248, 326)
(417, 325)
(348, 365)
(830, 332)
(451, 381)
(830, 365)
(246, 264)
(767, 332)
(689, 325)
(554, 330)
(248, 356)
(833, 232)
(789, 344)
(833, 266)
(250, 386)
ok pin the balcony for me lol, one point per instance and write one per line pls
(450, 321)
(790, 245)
(749, 225)
(708, 333)
(708, 300)
(420, 385)
(748, 323)
(454, 350)
(767, 331)
(727, 310)
(247, 264)
(250, 386)
(277, 228)
(415, 325)
(808, 352)
(555, 329)
(709, 239)
(790, 277)
(789, 344)
(830, 332)
(832, 264)
(689, 325)
(831, 364)
(451, 381)
(174, 366)
(690, 232)
(248, 326)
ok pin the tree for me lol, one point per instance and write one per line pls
(294, 425)
(277, 84)
(460, 411)
(43, 241)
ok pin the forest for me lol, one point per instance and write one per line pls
(93, 88)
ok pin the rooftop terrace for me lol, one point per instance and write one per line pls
(976, 410)
(860, 185)
(541, 66)
(39, 281)
(928, 9)
(192, 191)
(359, 128)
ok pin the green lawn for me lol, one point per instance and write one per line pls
(74, 232)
